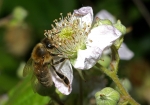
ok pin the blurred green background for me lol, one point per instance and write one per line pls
(19, 35)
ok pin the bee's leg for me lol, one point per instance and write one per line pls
(64, 78)
(57, 62)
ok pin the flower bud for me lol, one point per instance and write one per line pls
(19, 14)
(107, 96)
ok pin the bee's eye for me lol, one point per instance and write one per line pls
(47, 43)
(49, 46)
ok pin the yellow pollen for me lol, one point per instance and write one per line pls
(66, 32)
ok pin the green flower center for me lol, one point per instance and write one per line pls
(66, 33)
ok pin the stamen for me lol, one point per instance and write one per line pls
(68, 35)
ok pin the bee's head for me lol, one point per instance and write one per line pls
(47, 43)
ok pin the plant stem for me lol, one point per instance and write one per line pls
(112, 74)
(81, 92)
(56, 98)
(144, 11)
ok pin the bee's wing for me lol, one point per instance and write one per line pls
(39, 88)
(28, 67)
(34, 83)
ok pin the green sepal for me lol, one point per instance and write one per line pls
(100, 22)
(118, 42)
(120, 27)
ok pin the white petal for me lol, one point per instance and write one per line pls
(64, 68)
(99, 39)
(103, 36)
(103, 14)
(87, 58)
(86, 14)
(125, 53)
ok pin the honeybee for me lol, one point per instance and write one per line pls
(42, 59)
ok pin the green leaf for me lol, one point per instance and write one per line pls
(7, 82)
(22, 94)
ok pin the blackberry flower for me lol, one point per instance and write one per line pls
(81, 41)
